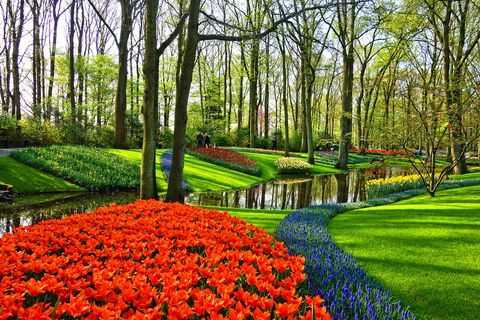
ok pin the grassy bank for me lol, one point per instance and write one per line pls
(265, 219)
(29, 180)
(425, 250)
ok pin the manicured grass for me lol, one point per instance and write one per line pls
(29, 180)
(424, 250)
(204, 176)
(468, 176)
(135, 155)
(265, 219)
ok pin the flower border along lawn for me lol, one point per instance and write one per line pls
(425, 250)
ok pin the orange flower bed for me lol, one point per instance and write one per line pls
(150, 260)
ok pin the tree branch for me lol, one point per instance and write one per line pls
(104, 22)
(164, 45)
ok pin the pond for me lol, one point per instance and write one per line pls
(285, 192)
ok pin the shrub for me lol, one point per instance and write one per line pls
(151, 260)
(292, 165)
(88, 167)
(103, 136)
(227, 158)
(165, 138)
(262, 143)
(220, 140)
(41, 133)
(8, 126)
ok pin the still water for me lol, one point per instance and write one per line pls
(285, 192)
(294, 192)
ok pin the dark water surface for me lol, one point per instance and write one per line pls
(285, 192)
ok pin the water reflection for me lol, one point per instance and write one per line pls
(30, 215)
(286, 192)
(294, 192)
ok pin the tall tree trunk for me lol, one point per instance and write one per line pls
(53, 52)
(71, 81)
(267, 86)
(284, 94)
(240, 92)
(253, 81)
(121, 94)
(81, 69)
(17, 37)
(347, 87)
(175, 192)
(148, 180)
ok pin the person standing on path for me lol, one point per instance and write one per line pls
(199, 139)
(207, 140)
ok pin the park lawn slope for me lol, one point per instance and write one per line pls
(26, 179)
(265, 219)
(135, 155)
(203, 176)
(424, 250)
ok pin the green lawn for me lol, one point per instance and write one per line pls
(426, 251)
(135, 155)
(265, 219)
(29, 180)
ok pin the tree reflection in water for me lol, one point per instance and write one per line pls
(286, 192)
(34, 214)
(294, 192)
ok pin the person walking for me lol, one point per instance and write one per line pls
(207, 140)
(199, 139)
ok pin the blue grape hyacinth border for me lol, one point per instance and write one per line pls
(166, 160)
(333, 274)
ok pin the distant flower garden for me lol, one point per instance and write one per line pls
(227, 158)
(92, 168)
(292, 165)
(151, 260)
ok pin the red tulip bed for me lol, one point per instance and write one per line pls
(227, 158)
(151, 260)
(387, 152)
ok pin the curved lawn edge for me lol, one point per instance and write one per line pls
(348, 291)
(28, 180)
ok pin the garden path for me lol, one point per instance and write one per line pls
(6, 152)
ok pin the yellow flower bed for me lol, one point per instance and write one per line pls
(395, 180)
(292, 165)
(382, 187)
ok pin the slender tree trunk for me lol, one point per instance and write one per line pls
(148, 179)
(347, 94)
(267, 87)
(17, 37)
(71, 81)
(240, 93)
(284, 95)
(175, 192)
(53, 52)
(121, 94)
(253, 107)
